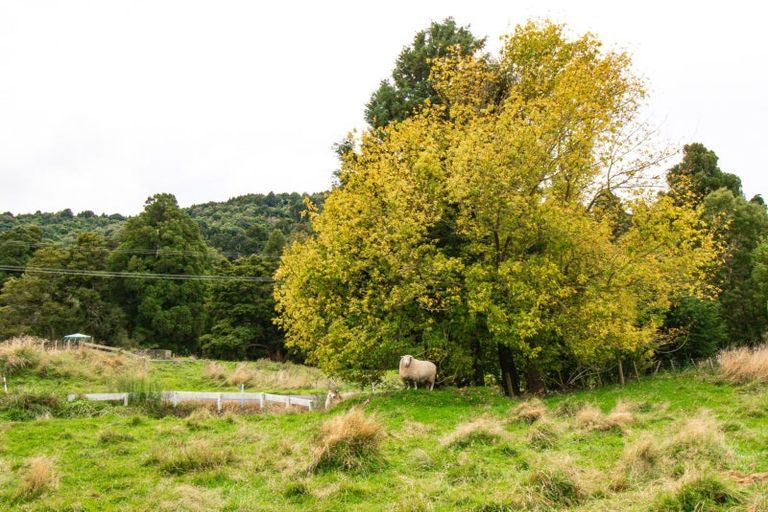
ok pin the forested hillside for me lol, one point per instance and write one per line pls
(240, 226)
(61, 273)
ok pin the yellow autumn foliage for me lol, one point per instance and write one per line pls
(521, 212)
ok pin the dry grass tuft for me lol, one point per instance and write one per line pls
(482, 431)
(242, 374)
(38, 475)
(542, 435)
(699, 492)
(197, 455)
(188, 498)
(215, 371)
(35, 355)
(744, 365)
(266, 374)
(556, 486)
(113, 437)
(530, 410)
(641, 460)
(414, 428)
(347, 441)
(590, 417)
(699, 439)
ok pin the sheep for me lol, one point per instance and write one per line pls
(417, 371)
(332, 398)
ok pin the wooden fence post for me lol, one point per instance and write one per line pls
(242, 396)
(261, 401)
(125, 399)
(218, 403)
(288, 402)
(621, 373)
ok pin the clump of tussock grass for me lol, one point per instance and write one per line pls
(744, 365)
(144, 393)
(16, 356)
(198, 455)
(698, 493)
(590, 417)
(347, 442)
(699, 439)
(113, 437)
(530, 411)
(556, 486)
(568, 407)
(266, 374)
(296, 489)
(247, 433)
(696, 443)
(29, 354)
(466, 471)
(37, 476)
(414, 503)
(640, 462)
(198, 418)
(482, 431)
(188, 498)
(215, 371)
(414, 428)
(542, 435)
(421, 460)
(29, 405)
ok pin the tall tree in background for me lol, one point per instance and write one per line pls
(17, 246)
(467, 230)
(241, 313)
(163, 239)
(410, 86)
(699, 174)
(739, 225)
(52, 305)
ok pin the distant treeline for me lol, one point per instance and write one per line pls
(221, 310)
(241, 226)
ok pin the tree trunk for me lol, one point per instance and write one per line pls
(621, 373)
(534, 383)
(477, 368)
(510, 380)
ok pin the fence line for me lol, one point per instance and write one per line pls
(176, 397)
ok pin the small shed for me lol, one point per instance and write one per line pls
(77, 338)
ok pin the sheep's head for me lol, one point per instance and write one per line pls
(406, 361)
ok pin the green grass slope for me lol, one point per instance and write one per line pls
(674, 442)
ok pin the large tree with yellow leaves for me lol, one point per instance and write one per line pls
(509, 231)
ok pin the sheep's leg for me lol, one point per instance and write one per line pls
(432, 385)
(415, 385)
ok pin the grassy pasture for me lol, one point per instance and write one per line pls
(678, 441)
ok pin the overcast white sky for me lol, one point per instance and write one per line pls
(103, 103)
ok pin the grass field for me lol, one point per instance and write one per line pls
(683, 441)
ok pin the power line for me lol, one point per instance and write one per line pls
(134, 275)
(148, 252)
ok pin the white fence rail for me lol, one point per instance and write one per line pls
(177, 397)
